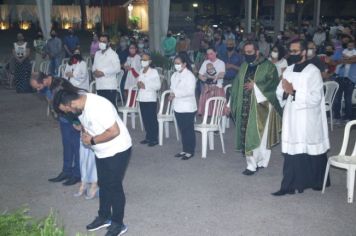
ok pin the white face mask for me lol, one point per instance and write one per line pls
(102, 46)
(178, 67)
(274, 55)
(310, 53)
(140, 45)
(145, 63)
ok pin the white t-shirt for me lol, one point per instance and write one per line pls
(109, 63)
(80, 77)
(152, 83)
(218, 66)
(98, 116)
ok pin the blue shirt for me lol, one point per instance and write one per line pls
(49, 95)
(220, 49)
(71, 41)
(235, 59)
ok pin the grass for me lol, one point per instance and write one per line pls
(19, 223)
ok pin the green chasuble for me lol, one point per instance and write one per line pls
(251, 117)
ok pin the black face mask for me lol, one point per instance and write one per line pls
(329, 53)
(53, 35)
(292, 59)
(230, 49)
(250, 58)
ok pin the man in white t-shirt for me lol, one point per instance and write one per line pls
(105, 67)
(107, 135)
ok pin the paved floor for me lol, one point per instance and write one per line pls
(165, 196)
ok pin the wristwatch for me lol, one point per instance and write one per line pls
(92, 142)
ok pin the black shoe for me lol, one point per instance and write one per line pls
(248, 172)
(151, 144)
(98, 223)
(259, 168)
(283, 192)
(72, 181)
(187, 156)
(62, 176)
(116, 230)
(145, 141)
(181, 154)
(317, 188)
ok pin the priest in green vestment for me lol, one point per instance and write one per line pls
(255, 108)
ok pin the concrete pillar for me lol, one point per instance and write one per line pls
(248, 15)
(316, 19)
(154, 26)
(279, 8)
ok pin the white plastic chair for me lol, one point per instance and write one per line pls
(33, 63)
(132, 108)
(44, 67)
(225, 122)
(331, 88)
(61, 70)
(207, 128)
(92, 87)
(345, 162)
(119, 78)
(164, 116)
(65, 61)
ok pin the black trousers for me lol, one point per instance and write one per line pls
(109, 95)
(111, 172)
(185, 123)
(149, 118)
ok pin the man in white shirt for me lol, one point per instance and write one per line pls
(107, 135)
(106, 66)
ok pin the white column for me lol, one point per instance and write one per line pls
(44, 9)
(158, 11)
(279, 7)
(316, 19)
(248, 15)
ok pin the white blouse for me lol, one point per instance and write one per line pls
(183, 87)
(152, 83)
(134, 63)
(80, 77)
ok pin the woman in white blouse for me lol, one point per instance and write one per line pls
(132, 66)
(148, 84)
(277, 58)
(76, 71)
(184, 104)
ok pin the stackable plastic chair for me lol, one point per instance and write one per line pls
(61, 70)
(208, 127)
(344, 161)
(92, 88)
(44, 67)
(331, 88)
(165, 116)
(132, 108)
(65, 61)
(119, 93)
(225, 122)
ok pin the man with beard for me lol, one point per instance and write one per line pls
(233, 61)
(104, 131)
(255, 108)
(305, 139)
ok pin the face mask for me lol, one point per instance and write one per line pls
(329, 53)
(250, 58)
(230, 48)
(292, 59)
(274, 55)
(145, 63)
(310, 53)
(53, 35)
(123, 44)
(178, 67)
(279, 37)
(102, 46)
(141, 45)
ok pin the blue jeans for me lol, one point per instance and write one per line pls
(54, 64)
(71, 144)
(346, 88)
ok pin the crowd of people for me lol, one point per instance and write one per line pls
(276, 96)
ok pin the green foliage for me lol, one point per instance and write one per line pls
(134, 21)
(160, 61)
(19, 223)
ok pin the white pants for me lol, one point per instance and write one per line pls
(261, 155)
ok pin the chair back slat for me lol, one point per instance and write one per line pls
(131, 99)
(119, 78)
(331, 88)
(217, 104)
(165, 107)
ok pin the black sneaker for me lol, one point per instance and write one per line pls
(116, 229)
(98, 223)
(248, 172)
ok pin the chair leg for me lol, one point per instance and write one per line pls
(141, 122)
(166, 128)
(227, 122)
(122, 99)
(160, 132)
(133, 117)
(223, 123)
(204, 143)
(326, 176)
(331, 119)
(176, 127)
(124, 117)
(211, 140)
(350, 189)
(222, 141)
